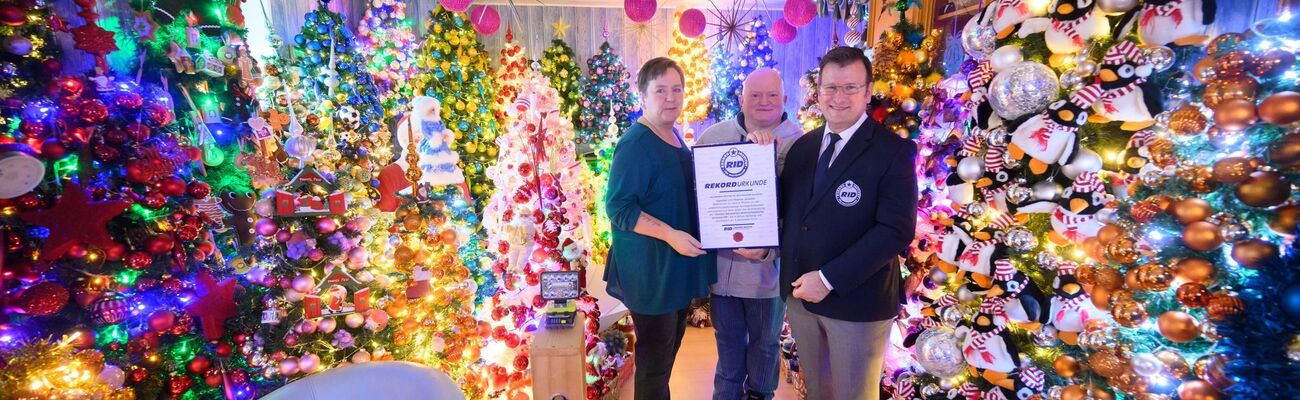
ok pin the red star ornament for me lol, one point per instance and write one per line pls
(215, 305)
(75, 219)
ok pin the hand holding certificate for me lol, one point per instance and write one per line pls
(735, 191)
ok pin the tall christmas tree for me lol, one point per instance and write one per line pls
(387, 38)
(453, 67)
(693, 57)
(810, 114)
(536, 222)
(509, 76)
(560, 66)
(729, 72)
(1135, 274)
(607, 96)
(904, 70)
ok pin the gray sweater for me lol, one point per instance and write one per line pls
(739, 276)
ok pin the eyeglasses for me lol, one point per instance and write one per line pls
(846, 89)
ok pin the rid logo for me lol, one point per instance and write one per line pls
(734, 163)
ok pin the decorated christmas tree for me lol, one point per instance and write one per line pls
(536, 222)
(729, 72)
(1064, 273)
(693, 57)
(509, 76)
(453, 68)
(607, 97)
(810, 114)
(386, 37)
(560, 66)
(904, 70)
(30, 56)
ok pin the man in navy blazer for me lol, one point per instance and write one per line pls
(848, 203)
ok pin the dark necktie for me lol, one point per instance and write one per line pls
(824, 162)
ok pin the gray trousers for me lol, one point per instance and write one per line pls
(841, 360)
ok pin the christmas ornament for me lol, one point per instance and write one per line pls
(640, 11)
(1281, 109)
(20, 170)
(1178, 326)
(74, 220)
(43, 299)
(1202, 236)
(214, 305)
(1264, 189)
(1025, 88)
(1252, 253)
(938, 351)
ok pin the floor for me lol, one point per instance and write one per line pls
(693, 371)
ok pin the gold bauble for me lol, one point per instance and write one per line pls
(1202, 236)
(1106, 364)
(1223, 305)
(1204, 70)
(1235, 114)
(1285, 153)
(1066, 366)
(1128, 313)
(1109, 278)
(1192, 209)
(1178, 326)
(1109, 233)
(1174, 363)
(1154, 277)
(1234, 169)
(1234, 63)
(1252, 253)
(1272, 63)
(1264, 189)
(1187, 120)
(1195, 269)
(1074, 392)
(1192, 294)
(1281, 108)
(1229, 88)
(1284, 219)
(1122, 250)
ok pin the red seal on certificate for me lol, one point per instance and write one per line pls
(738, 237)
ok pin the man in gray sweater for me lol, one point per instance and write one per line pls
(746, 305)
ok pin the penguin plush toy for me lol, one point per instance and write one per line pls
(1047, 138)
(1078, 217)
(990, 353)
(1071, 307)
(1073, 23)
(1178, 22)
(1022, 302)
(1123, 78)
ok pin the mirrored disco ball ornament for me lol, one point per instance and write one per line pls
(939, 351)
(1026, 88)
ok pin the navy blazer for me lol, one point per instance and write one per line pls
(853, 227)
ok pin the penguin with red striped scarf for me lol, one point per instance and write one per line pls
(1083, 206)
(1178, 22)
(1071, 307)
(1050, 138)
(1126, 96)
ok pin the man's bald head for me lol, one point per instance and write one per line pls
(762, 98)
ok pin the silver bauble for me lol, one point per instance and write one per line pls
(1017, 194)
(939, 352)
(1085, 161)
(979, 40)
(997, 137)
(1081, 58)
(1100, 339)
(1010, 161)
(1020, 239)
(1005, 57)
(1086, 68)
(1046, 190)
(930, 390)
(1152, 177)
(951, 316)
(946, 384)
(1159, 57)
(1046, 337)
(1026, 88)
(909, 105)
(1072, 80)
(1113, 7)
(970, 169)
(1162, 120)
(938, 276)
(1047, 260)
(1054, 393)
(976, 208)
(1146, 364)
(964, 294)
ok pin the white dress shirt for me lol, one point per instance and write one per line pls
(839, 146)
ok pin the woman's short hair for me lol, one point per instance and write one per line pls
(655, 68)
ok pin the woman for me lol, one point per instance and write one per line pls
(655, 264)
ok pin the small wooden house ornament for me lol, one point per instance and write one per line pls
(296, 198)
(338, 294)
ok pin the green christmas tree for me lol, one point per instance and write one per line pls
(560, 66)
(606, 96)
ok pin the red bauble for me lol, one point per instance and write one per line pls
(29, 201)
(212, 377)
(160, 243)
(173, 284)
(33, 129)
(93, 111)
(326, 225)
(138, 171)
(172, 186)
(138, 260)
(52, 65)
(128, 100)
(162, 320)
(106, 153)
(77, 250)
(138, 374)
(239, 377)
(521, 362)
(223, 349)
(43, 299)
(186, 233)
(138, 131)
(154, 200)
(160, 114)
(71, 87)
(199, 189)
(239, 338)
(199, 364)
(179, 384)
(12, 14)
(115, 136)
(115, 251)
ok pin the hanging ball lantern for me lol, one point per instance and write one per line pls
(640, 11)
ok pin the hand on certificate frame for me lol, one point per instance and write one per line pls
(752, 254)
(684, 244)
(809, 287)
(763, 137)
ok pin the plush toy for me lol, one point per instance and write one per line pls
(1123, 75)
(1071, 307)
(988, 348)
(435, 159)
(1047, 138)
(1022, 302)
(1180, 22)
(1073, 23)
(1081, 206)
(1010, 14)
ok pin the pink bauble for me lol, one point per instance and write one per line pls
(326, 225)
(485, 20)
(455, 5)
(303, 283)
(307, 326)
(266, 227)
(289, 366)
(640, 11)
(782, 31)
(308, 363)
(692, 23)
(354, 320)
(799, 12)
(327, 325)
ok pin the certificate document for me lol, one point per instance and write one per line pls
(735, 192)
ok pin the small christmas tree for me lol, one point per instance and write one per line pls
(560, 66)
(729, 72)
(387, 39)
(453, 68)
(810, 114)
(607, 96)
(510, 76)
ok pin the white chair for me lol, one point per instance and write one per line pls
(395, 380)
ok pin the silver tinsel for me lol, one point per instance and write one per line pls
(938, 350)
(1152, 177)
(1100, 339)
(1024, 89)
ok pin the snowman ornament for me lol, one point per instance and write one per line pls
(423, 127)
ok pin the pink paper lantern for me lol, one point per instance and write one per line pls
(640, 11)
(799, 12)
(692, 23)
(485, 20)
(455, 5)
(782, 31)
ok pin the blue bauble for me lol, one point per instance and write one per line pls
(316, 58)
(322, 29)
(464, 126)
(373, 127)
(313, 46)
(299, 39)
(1291, 301)
(439, 74)
(311, 17)
(345, 33)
